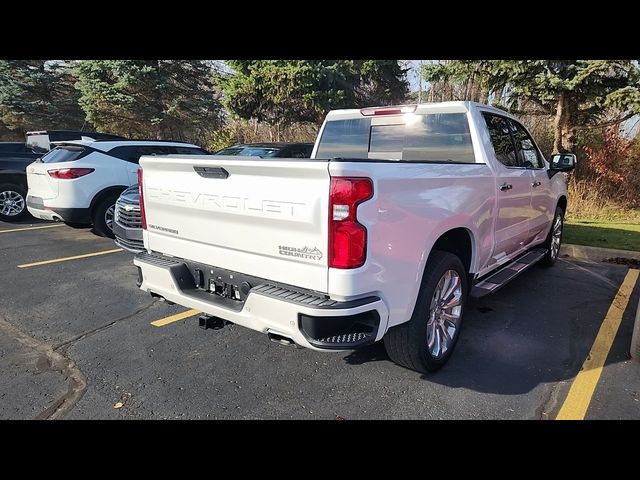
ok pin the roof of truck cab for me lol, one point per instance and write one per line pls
(421, 108)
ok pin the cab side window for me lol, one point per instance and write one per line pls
(501, 140)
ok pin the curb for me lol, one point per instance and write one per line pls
(597, 254)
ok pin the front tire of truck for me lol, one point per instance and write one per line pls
(428, 339)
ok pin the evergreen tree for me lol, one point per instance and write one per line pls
(38, 95)
(283, 92)
(161, 99)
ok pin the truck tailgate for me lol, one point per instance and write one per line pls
(266, 218)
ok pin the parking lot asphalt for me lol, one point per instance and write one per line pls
(76, 341)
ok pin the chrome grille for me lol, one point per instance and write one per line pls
(133, 246)
(128, 214)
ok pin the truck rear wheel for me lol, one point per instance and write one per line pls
(427, 340)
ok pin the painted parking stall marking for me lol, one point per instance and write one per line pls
(175, 318)
(577, 402)
(32, 228)
(66, 259)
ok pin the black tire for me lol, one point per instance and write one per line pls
(98, 217)
(552, 255)
(406, 344)
(17, 195)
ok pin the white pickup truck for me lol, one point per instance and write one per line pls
(399, 215)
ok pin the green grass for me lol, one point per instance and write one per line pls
(602, 233)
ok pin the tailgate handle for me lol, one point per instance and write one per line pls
(211, 172)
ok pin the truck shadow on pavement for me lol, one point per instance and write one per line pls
(537, 330)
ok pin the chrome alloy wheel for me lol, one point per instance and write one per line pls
(556, 237)
(444, 314)
(11, 203)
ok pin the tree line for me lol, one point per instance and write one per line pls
(196, 99)
(569, 105)
(192, 100)
(577, 95)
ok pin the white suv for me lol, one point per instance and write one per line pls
(78, 182)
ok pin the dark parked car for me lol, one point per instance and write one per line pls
(269, 150)
(14, 158)
(127, 226)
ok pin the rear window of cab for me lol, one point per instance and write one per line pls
(433, 137)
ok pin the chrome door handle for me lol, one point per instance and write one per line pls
(536, 184)
(506, 186)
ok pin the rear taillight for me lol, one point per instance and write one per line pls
(347, 238)
(70, 173)
(143, 216)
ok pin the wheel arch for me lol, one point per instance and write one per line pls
(562, 203)
(460, 242)
(98, 197)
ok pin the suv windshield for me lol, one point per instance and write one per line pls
(433, 137)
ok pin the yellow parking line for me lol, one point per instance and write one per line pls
(579, 397)
(174, 318)
(75, 257)
(32, 228)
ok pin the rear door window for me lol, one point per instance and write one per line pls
(128, 153)
(500, 135)
(66, 153)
